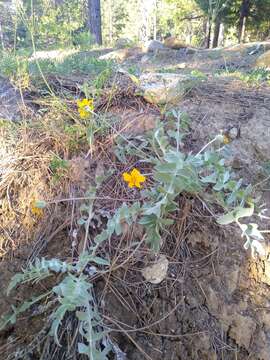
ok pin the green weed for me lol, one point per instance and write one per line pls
(174, 172)
(58, 167)
(74, 293)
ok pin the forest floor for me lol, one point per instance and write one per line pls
(214, 302)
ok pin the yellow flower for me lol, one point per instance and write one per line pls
(226, 139)
(134, 179)
(35, 210)
(83, 113)
(85, 107)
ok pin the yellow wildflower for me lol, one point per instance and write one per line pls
(38, 212)
(85, 107)
(134, 179)
(226, 139)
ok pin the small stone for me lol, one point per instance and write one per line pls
(233, 133)
(157, 272)
(236, 164)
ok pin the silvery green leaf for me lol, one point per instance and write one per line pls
(226, 219)
(219, 185)
(156, 209)
(81, 315)
(259, 247)
(83, 349)
(226, 177)
(16, 279)
(100, 261)
(247, 244)
(58, 316)
(40, 204)
(209, 179)
(174, 157)
(81, 221)
(254, 232)
(7, 319)
(147, 220)
(104, 235)
(241, 212)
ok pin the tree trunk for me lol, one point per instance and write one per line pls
(95, 20)
(110, 22)
(221, 35)
(155, 20)
(244, 13)
(216, 33)
(2, 37)
(209, 33)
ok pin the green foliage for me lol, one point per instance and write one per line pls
(254, 237)
(13, 66)
(255, 76)
(175, 173)
(58, 167)
(77, 63)
(74, 293)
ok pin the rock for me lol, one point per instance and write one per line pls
(10, 101)
(257, 47)
(145, 59)
(123, 43)
(174, 43)
(263, 61)
(157, 272)
(242, 330)
(121, 54)
(233, 133)
(164, 88)
(153, 46)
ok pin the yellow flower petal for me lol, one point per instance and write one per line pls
(38, 212)
(226, 139)
(127, 177)
(134, 179)
(83, 113)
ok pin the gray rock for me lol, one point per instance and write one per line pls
(153, 46)
(233, 133)
(145, 59)
(10, 101)
(123, 43)
(164, 88)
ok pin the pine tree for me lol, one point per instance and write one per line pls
(95, 20)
